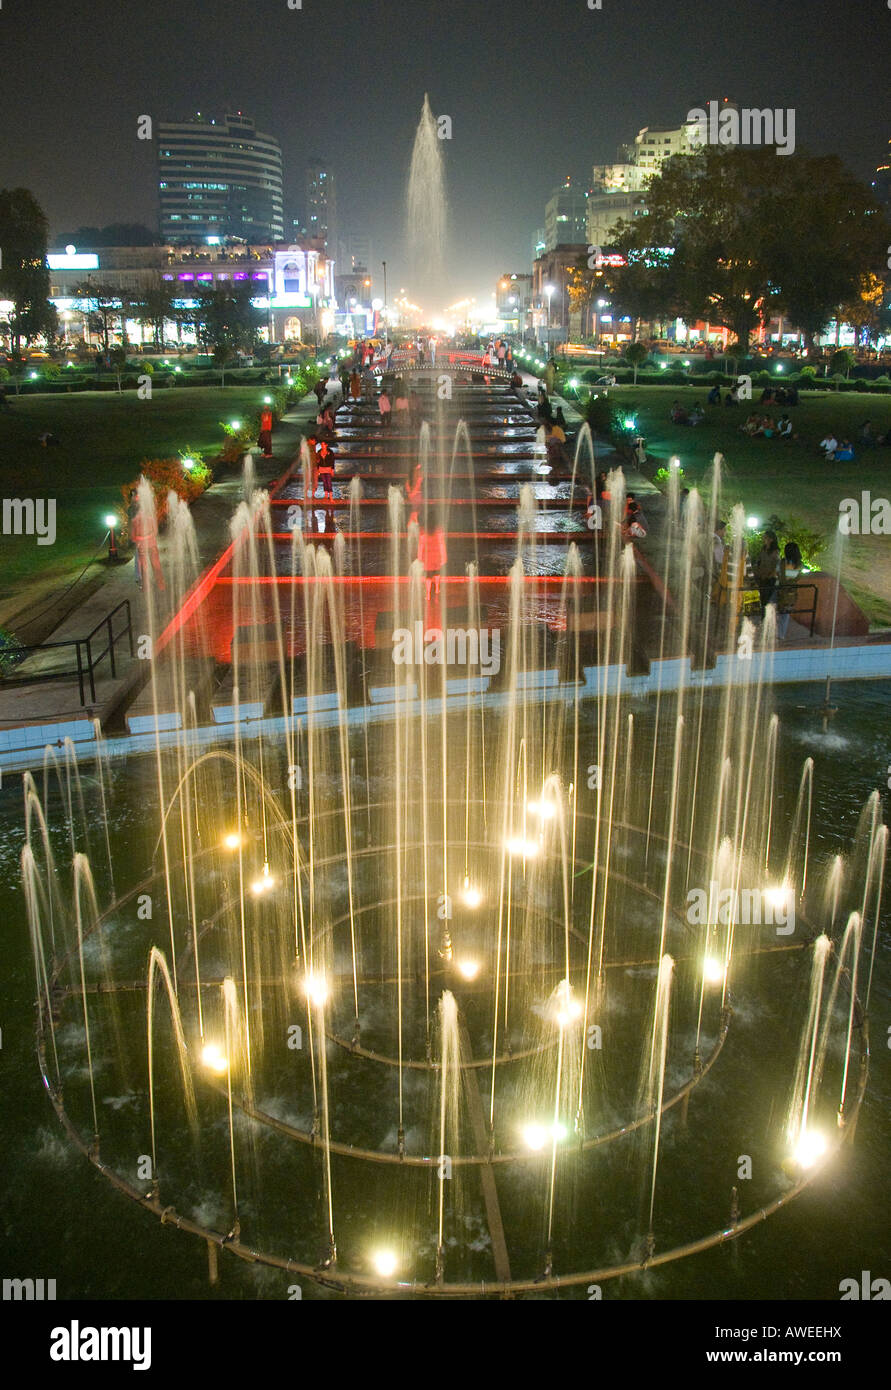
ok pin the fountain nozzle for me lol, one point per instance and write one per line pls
(400, 1141)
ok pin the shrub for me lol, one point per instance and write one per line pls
(662, 475)
(166, 476)
(599, 414)
(810, 543)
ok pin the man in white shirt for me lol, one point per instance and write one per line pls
(829, 446)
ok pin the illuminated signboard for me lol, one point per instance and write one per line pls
(87, 260)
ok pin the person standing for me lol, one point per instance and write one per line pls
(432, 555)
(401, 407)
(767, 570)
(144, 535)
(265, 436)
(325, 467)
(385, 408)
(790, 570)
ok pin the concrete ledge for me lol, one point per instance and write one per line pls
(302, 704)
(54, 733)
(384, 694)
(149, 723)
(230, 714)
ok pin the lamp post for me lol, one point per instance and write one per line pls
(601, 305)
(549, 291)
(386, 332)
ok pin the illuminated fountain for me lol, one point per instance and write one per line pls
(405, 987)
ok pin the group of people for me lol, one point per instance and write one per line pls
(766, 427)
(681, 416)
(633, 523)
(771, 395)
(776, 575)
(835, 450)
(842, 450)
(499, 353)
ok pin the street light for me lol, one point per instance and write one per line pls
(601, 305)
(386, 330)
(549, 291)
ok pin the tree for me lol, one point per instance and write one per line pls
(841, 362)
(735, 234)
(636, 353)
(864, 312)
(106, 305)
(828, 237)
(702, 237)
(226, 316)
(222, 356)
(24, 276)
(117, 358)
(156, 306)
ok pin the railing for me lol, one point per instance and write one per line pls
(85, 658)
(789, 590)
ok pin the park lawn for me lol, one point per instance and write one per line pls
(104, 436)
(788, 480)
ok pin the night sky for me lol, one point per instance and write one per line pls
(535, 91)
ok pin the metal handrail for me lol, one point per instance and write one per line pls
(86, 661)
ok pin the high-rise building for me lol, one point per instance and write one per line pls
(354, 252)
(618, 190)
(219, 179)
(320, 204)
(654, 144)
(565, 217)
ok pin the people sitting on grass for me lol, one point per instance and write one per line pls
(829, 444)
(845, 452)
(732, 397)
(867, 436)
(679, 414)
(697, 415)
(714, 395)
(784, 428)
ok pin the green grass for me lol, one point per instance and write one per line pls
(789, 480)
(104, 436)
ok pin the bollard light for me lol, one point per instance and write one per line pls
(111, 522)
